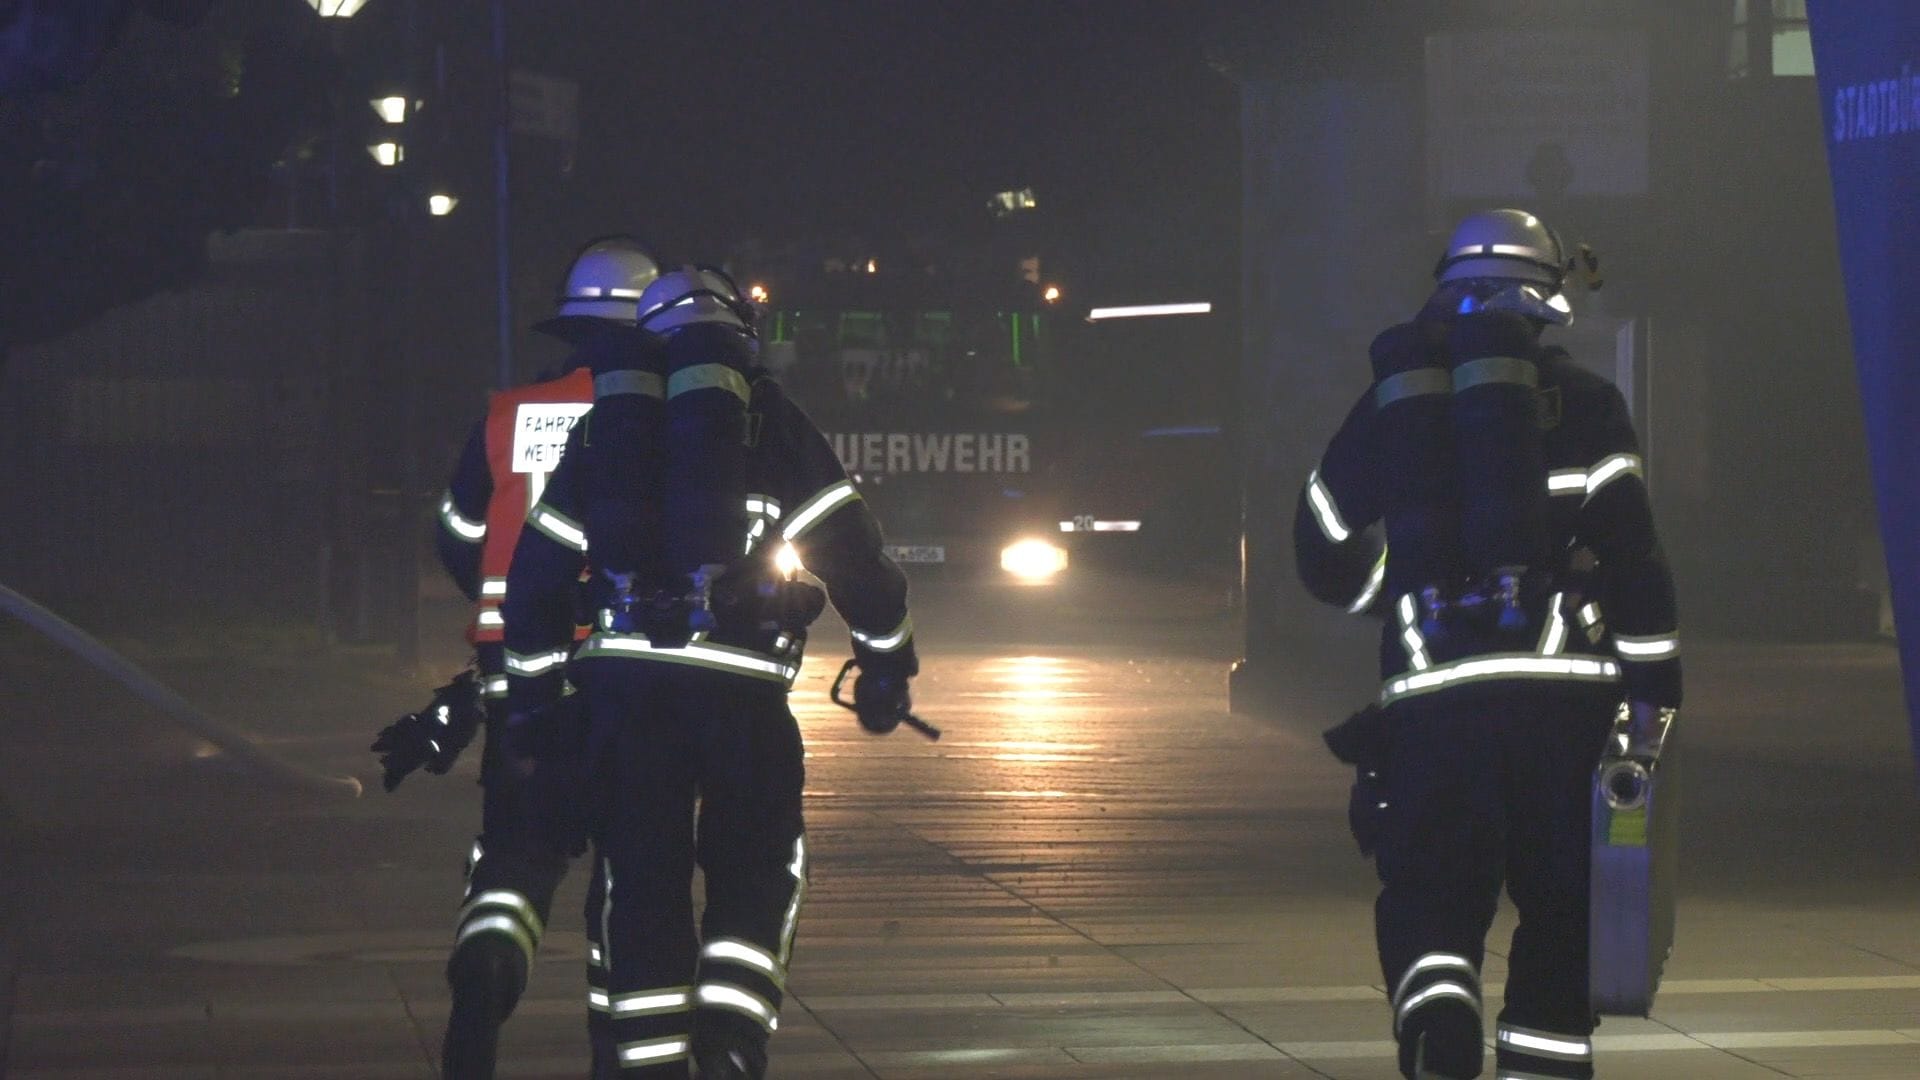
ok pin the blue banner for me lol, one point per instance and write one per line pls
(1867, 58)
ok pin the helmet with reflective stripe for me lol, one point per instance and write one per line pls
(605, 282)
(1510, 244)
(692, 295)
(1505, 260)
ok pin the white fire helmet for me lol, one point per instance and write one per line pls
(691, 295)
(1507, 260)
(605, 282)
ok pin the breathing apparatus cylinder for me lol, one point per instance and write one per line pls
(622, 442)
(1500, 455)
(1498, 283)
(1412, 389)
(705, 340)
(704, 491)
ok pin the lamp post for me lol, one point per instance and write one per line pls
(335, 14)
(502, 213)
(345, 479)
(413, 515)
(389, 151)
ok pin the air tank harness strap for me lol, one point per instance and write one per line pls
(744, 596)
(1505, 599)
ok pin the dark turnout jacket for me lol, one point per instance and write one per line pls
(1610, 617)
(798, 493)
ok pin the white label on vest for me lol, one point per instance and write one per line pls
(540, 433)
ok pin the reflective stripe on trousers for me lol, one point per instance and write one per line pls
(646, 1052)
(1543, 1044)
(499, 911)
(1435, 977)
(672, 999)
(1524, 1053)
(891, 641)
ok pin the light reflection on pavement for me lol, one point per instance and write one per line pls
(1097, 872)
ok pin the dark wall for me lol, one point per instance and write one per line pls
(1755, 447)
(1774, 542)
(209, 452)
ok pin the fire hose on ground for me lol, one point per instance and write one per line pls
(235, 744)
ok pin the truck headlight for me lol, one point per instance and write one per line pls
(1033, 561)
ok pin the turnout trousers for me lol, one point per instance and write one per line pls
(1486, 785)
(510, 882)
(694, 767)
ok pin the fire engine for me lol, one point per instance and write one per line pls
(995, 427)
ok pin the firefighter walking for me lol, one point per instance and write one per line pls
(502, 470)
(1525, 594)
(677, 493)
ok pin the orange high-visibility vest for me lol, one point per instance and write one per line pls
(526, 434)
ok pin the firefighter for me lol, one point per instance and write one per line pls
(504, 466)
(1525, 594)
(677, 494)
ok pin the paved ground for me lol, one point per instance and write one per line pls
(1098, 873)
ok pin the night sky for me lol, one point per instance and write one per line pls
(787, 119)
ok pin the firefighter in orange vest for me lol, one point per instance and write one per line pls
(500, 476)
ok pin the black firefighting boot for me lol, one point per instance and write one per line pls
(735, 1063)
(727, 1047)
(1442, 1041)
(486, 974)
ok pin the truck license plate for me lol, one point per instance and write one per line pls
(917, 553)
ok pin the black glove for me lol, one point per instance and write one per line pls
(881, 700)
(433, 737)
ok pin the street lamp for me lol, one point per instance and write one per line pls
(440, 204)
(336, 9)
(392, 109)
(388, 154)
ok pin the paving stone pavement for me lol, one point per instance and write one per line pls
(1097, 873)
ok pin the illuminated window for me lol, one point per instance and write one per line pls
(1023, 336)
(1009, 202)
(862, 330)
(1779, 27)
(934, 329)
